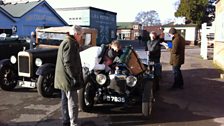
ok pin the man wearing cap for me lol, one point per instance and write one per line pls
(177, 58)
(68, 75)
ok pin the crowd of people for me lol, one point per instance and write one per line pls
(68, 73)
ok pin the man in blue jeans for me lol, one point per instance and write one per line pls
(177, 53)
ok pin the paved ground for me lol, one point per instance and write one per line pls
(199, 104)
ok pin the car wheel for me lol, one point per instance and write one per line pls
(8, 78)
(86, 97)
(147, 98)
(45, 85)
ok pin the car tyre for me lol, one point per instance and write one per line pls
(86, 97)
(45, 85)
(147, 98)
(8, 78)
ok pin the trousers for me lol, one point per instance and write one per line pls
(69, 101)
(178, 78)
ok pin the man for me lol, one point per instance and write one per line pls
(32, 39)
(154, 52)
(177, 58)
(68, 75)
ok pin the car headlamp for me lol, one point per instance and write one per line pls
(131, 81)
(13, 59)
(101, 79)
(38, 62)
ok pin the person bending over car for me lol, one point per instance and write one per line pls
(109, 53)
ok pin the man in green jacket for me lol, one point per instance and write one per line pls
(68, 75)
(177, 58)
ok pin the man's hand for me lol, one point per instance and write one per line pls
(164, 44)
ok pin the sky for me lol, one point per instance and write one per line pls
(126, 9)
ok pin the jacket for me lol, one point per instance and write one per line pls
(154, 48)
(177, 52)
(68, 66)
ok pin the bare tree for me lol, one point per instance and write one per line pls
(148, 18)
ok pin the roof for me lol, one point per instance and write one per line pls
(153, 28)
(7, 14)
(125, 25)
(62, 29)
(181, 25)
(19, 9)
(84, 8)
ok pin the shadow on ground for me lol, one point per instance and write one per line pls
(203, 91)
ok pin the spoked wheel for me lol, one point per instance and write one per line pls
(8, 78)
(45, 85)
(147, 99)
(86, 97)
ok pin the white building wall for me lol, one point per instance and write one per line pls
(190, 32)
(80, 17)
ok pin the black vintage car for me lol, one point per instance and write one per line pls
(34, 68)
(129, 81)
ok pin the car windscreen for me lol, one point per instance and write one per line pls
(48, 38)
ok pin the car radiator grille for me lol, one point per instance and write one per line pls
(23, 64)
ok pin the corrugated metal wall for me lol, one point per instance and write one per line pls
(105, 23)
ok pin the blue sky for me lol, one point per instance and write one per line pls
(126, 9)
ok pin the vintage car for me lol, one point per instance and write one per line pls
(131, 81)
(34, 68)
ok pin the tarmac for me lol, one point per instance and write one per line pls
(199, 103)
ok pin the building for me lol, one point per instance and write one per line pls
(157, 29)
(188, 31)
(23, 18)
(129, 30)
(219, 35)
(104, 21)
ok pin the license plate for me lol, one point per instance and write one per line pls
(27, 84)
(114, 99)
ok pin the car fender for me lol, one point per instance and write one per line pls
(5, 62)
(45, 68)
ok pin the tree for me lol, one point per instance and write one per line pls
(148, 18)
(198, 11)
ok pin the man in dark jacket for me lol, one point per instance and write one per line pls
(154, 52)
(177, 57)
(68, 75)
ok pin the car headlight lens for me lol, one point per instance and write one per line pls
(38, 62)
(131, 81)
(13, 59)
(101, 79)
